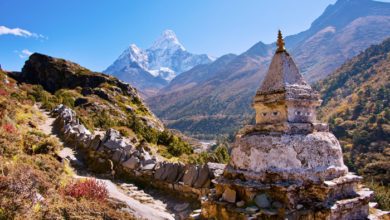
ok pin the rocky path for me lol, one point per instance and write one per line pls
(141, 204)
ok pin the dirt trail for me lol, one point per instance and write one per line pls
(140, 204)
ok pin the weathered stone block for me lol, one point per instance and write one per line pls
(190, 175)
(229, 195)
(172, 171)
(262, 201)
(203, 176)
(131, 163)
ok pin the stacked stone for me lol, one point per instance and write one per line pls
(192, 180)
(286, 166)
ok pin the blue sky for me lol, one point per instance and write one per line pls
(94, 33)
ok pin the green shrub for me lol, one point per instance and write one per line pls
(164, 138)
(124, 132)
(150, 134)
(198, 158)
(38, 133)
(36, 144)
(103, 120)
(381, 195)
(220, 154)
(177, 147)
(19, 96)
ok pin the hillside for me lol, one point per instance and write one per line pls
(34, 182)
(197, 74)
(356, 106)
(222, 99)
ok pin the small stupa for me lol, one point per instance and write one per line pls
(286, 166)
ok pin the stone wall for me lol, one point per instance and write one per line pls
(137, 162)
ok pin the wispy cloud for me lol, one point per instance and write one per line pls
(19, 32)
(24, 53)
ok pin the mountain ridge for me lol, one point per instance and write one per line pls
(229, 91)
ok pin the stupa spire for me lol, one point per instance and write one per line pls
(280, 43)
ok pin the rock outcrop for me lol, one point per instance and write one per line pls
(54, 73)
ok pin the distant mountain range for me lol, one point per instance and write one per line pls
(213, 98)
(153, 68)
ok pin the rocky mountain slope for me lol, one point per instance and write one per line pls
(155, 67)
(222, 100)
(34, 182)
(357, 107)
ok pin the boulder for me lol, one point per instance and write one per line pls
(172, 171)
(159, 170)
(216, 169)
(87, 141)
(112, 140)
(182, 169)
(146, 162)
(131, 163)
(252, 209)
(149, 166)
(5, 81)
(86, 91)
(240, 204)
(115, 144)
(66, 114)
(80, 101)
(181, 207)
(111, 134)
(203, 176)
(129, 108)
(277, 205)
(95, 143)
(81, 129)
(81, 137)
(117, 155)
(102, 93)
(145, 156)
(166, 168)
(190, 175)
(262, 201)
(229, 195)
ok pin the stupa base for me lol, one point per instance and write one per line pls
(339, 198)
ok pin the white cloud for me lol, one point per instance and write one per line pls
(27, 52)
(24, 53)
(19, 32)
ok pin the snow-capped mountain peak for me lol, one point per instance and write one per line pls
(167, 41)
(162, 62)
(133, 54)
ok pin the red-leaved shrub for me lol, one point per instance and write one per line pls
(9, 128)
(3, 93)
(88, 188)
(10, 85)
